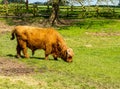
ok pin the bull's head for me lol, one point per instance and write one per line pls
(69, 55)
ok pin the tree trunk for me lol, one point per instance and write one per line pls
(55, 10)
(26, 4)
(54, 14)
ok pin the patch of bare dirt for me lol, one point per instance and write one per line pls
(5, 28)
(9, 67)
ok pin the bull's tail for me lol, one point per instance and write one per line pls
(13, 35)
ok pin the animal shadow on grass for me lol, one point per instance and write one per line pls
(42, 58)
(31, 57)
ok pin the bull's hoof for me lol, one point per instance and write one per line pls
(18, 56)
(26, 56)
(46, 59)
(55, 59)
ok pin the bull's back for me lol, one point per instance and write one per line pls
(37, 36)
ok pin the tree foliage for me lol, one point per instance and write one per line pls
(16, 1)
(12, 1)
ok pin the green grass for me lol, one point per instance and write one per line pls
(96, 63)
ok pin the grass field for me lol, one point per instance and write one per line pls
(96, 63)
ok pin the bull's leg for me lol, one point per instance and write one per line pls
(33, 52)
(55, 57)
(46, 56)
(18, 51)
(54, 51)
(48, 51)
(23, 47)
(25, 52)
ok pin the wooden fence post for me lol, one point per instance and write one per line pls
(84, 12)
(97, 11)
(35, 8)
(67, 12)
(72, 8)
(6, 7)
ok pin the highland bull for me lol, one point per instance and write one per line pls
(47, 39)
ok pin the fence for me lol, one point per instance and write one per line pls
(19, 10)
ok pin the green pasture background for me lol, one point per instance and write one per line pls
(96, 61)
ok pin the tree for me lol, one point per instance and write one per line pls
(16, 1)
(55, 9)
(26, 4)
(54, 17)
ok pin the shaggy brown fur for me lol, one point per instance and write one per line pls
(47, 39)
